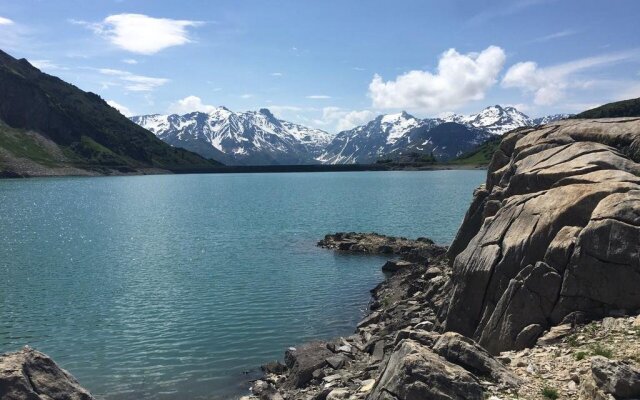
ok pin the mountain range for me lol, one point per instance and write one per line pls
(50, 127)
(247, 138)
(259, 138)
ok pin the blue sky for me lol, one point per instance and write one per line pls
(332, 64)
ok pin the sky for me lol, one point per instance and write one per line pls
(334, 64)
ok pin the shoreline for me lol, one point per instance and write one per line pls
(254, 169)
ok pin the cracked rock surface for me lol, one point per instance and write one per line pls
(554, 231)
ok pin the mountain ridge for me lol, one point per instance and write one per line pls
(258, 137)
(70, 131)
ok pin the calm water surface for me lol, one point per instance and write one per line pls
(170, 287)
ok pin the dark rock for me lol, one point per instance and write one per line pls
(273, 367)
(619, 378)
(396, 265)
(31, 375)
(378, 351)
(303, 361)
(415, 372)
(336, 362)
(372, 318)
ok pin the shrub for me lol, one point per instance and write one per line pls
(550, 393)
(599, 350)
(580, 355)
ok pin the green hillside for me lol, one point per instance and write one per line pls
(46, 120)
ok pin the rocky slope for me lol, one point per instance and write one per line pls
(50, 127)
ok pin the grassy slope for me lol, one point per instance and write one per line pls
(625, 108)
(481, 155)
(89, 131)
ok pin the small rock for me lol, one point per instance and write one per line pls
(367, 385)
(332, 378)
(337, 394)
(336, 362)
(396, 265)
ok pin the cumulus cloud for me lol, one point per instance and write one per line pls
(344, 119)
(318, 97)
(190, 104)
(139, 33)
(133, 82)
(5, 21)
(549, 85)
(123, 110)
(459, 79)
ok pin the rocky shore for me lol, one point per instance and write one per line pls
(537, 297)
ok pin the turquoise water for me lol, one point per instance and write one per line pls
(171, 287)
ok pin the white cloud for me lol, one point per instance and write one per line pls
(460, 78)
(344, 119)
(550, 84)
(318, 97)
(139, 33)
(123, 110)
(556, 35)
(276, 74)
(500, 10)
(5, 21)
(190, 104)
(130, 61)
(132, 82)
(246, 96)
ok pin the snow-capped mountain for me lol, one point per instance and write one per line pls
(247, 138)
(259, 138)
(369, 142)
(500, 120)
(549, 118)
(446, 137)
(389, 136)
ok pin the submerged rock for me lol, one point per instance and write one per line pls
(31, 375)
(416, 251)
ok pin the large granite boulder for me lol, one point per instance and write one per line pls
(414, 371)
(466, 353)
(31, 375)
(555, 230)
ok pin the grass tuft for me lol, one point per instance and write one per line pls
(550, 393)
